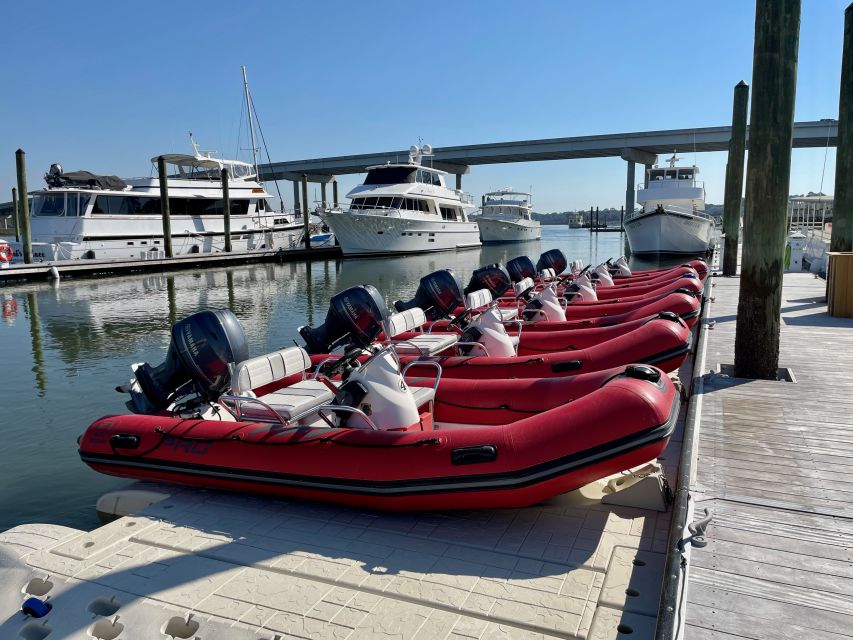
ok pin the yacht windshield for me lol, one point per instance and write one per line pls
(391, 175)
(60, 204)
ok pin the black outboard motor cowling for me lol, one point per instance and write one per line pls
(520, 268)
(438, 294)
(492, 277)
(356, 316)
(553, 259)
(202, 348)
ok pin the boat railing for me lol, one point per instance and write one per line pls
(390, 212)
(675, 184)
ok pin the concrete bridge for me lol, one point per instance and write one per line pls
(639, 147)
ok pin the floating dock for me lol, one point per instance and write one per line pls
(89, 268)
(773, 469)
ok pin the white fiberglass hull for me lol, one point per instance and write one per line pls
(669, 232)
(115, 237)
(364, 234)
(497, 230)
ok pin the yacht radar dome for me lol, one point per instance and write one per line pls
(55, 169)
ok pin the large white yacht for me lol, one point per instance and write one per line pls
(404, 208)
(506, 217)
(671, 220)
(85, 216)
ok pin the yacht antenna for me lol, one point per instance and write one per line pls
(251, 123)
(672, 160)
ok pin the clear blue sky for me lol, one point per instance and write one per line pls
(104, 86)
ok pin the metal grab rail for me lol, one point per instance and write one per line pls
(682, 183)
(239, 401)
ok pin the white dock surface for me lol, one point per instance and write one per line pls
(248, 567)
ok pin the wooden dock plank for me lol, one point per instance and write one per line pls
(773, 469)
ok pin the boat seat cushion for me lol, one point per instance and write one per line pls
(477, 299)
(408, 320)
(422, 395)
(263, 370)
(298, 398)
(429, 344)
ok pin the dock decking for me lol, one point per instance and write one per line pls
(774, 471)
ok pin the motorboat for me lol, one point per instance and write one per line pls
(370, 434)
(507, 216)
(82, 215)
(404, 208)
(672, 219)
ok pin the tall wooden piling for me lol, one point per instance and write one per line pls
(771, 129)
(629, 187)
(306, 227)
(296, 208)
(17, 216)
(734, 179)
(323, 196)
(164, 206)
(226, 209)
(842, 216)
(335, 193)
(24, 202)
(622, 218)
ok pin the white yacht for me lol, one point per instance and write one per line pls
(85, 216)
(404, 208)
(671, 220)
(507, 217)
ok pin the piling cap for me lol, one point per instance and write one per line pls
(741, 84)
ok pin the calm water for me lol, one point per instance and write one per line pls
(65, 347)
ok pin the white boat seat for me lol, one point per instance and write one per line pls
(477, 299)
(429, 344)
(509, 313)
(272, 367)
(408, 320)
(423, 395)
(298, 398)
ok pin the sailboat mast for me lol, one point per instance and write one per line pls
(251, 122)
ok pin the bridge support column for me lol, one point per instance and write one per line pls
(296, 208)
(306, 227)
(629, 188)
(322, 195)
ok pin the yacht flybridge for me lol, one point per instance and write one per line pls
(404, 208)
(81, 215)
(507, 217)
(672, 219)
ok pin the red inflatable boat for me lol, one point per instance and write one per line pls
(486, 445)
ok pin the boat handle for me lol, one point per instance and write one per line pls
(429, 363)
(520, 327)
(340, 407)
(239, 401)
(473, 344)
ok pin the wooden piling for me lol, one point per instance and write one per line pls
(164, 206)
(771, 128)
(306, 227)
(842, 216)
(622, 218)
(226, 209)
(17, 216)
(734, 179)
(629, 187)
(323, 196)
(335, 193)
(24, 202)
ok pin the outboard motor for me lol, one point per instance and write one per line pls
(553, 259)
(438, 294)
(492, 277)
(202, 348)
(356, 316)
(520, 268)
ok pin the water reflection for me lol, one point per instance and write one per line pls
(61, 366)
